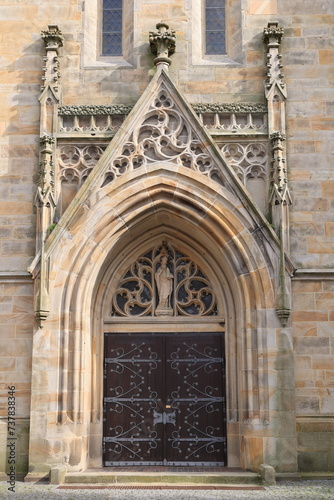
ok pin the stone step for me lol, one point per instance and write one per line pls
(159, 478)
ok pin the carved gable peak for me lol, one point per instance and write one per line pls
(163, 128)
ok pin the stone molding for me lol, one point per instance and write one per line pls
(15, 277)
(240, 118)
(230, 107)
(313, 275)
(199, 108)
(92, 109)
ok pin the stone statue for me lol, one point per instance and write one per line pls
(164, 281)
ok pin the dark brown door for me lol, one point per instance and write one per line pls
(164, 401)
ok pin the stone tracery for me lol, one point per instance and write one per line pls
(163, 135)
(76, 162)
(137, 292)
(248, 160)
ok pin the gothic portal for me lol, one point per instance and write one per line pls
(167, 235)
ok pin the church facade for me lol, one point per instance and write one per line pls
(167, 235)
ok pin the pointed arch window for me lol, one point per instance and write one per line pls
(215, 39)
(112, 20)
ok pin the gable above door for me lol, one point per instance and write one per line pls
(162, 135)
(163, 128)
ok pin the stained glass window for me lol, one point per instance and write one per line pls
(112, 28)
(215, 27)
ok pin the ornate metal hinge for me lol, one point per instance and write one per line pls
(164, 418)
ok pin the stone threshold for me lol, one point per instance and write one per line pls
(161, 487)
(162, 478)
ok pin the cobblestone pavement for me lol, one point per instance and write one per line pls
(308, 490)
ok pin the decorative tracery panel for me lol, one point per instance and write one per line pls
(76, 162)
(250, 163)
(164, 282)
(248, 160)
(163, 135)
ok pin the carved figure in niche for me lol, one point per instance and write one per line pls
(164, 281)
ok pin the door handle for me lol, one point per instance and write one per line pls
(164, 418)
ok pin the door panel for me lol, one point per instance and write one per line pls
(164, 402)
(132, 376)
(194, 391)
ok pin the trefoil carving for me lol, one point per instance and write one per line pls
(76, 163)
(248, 160)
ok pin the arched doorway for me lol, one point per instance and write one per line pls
(164, 399)
(87, 263)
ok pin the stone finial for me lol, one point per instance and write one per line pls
(272, 36)
(162, 44)
(53, 38)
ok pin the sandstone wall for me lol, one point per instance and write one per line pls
(308, 54)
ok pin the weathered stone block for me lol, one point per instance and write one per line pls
(326, 56)
(311, 345)
(57, 474)
(268, 475)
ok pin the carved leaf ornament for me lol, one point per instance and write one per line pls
(137, 291)
(163, 135)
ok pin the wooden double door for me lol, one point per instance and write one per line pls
(164, 399)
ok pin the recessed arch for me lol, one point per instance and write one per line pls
(104, 235)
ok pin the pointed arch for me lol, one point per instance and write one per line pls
(88, 251)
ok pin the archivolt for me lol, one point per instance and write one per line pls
(163, 201)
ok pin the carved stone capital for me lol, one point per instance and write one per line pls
(273, 33)
(46, 143)
(277, 136)
(162, 43)
(53, 38)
